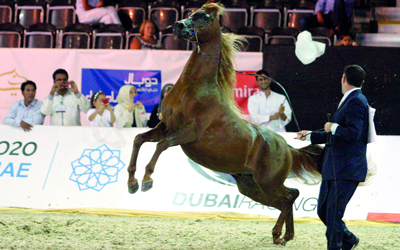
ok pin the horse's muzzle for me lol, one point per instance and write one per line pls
(182, 30)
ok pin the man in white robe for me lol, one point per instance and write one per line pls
(268, 108)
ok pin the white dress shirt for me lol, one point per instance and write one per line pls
(64, 110)
(103, 120)
(19, 112)
(335, 125)
(261, 108)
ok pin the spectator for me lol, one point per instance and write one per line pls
(129, 113)
(148, 37)
(94, 11)
(156, 115)
(101, 113)
(331, 14)
(64, 102)
(268, 108)
(25, 113)
(347, 40)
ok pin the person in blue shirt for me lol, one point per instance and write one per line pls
(331, 14)
(25, 113)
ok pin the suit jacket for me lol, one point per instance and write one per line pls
(345, 158)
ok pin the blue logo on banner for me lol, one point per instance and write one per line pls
(109, 81)
(96, 168)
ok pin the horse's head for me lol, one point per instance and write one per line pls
(200, 25)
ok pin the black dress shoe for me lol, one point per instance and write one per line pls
(351, 246)
(356, 243)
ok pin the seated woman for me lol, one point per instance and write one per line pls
(93, 11)
(148, 38)
(129, 113)
(156, 116)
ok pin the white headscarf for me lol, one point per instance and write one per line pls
(124, 99)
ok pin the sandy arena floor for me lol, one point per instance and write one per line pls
(126, 229)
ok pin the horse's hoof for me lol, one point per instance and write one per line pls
(279, 241)
(147, 185)
(133, 189)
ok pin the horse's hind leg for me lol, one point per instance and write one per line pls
(248, 187)
(285, 204)
(155, 134)
(289, 234)
(281, 198)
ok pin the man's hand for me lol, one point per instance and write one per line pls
(55, 88)
(274, 117)
(281, 112)
(73, 88)
(281, 109)
(320, 18)
(328, 126)
(26, 126)
(301, 135)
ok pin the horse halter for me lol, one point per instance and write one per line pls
(190, 28)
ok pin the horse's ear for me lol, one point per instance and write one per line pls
(214, 9)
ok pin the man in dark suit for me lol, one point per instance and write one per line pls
(344, 161)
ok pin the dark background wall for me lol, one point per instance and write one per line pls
(315, 89)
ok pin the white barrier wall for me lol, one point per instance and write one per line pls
(76, 167)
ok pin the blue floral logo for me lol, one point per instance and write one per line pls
(96, 168)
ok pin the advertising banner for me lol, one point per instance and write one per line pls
(245, 87)
(147, 83)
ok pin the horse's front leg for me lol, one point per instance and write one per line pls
(155, 134)
(182, 136)
(147, 182)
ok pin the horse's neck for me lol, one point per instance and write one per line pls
(204, 66)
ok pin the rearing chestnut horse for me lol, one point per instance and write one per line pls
(200, 115)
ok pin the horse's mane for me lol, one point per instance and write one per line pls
(229, 45)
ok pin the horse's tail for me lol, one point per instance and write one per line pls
(305, 163)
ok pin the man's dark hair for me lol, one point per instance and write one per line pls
(262, 72)
(355, 75)
(59, 71)
(23, 85)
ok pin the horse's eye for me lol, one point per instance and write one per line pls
(206, 17)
